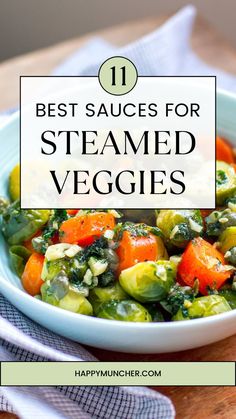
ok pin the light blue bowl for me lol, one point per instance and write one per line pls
(226, 112)
(112, 335)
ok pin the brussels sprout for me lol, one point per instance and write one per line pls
(72, 268)
(20, 225)
(229, 295)
(225, 182)
(179, 226)
(228, 244)
(98, 295)
(59, 286)
(47, 295)
(19, 256)
(203, 307)
(77, 303)
(139, 216)
(178, 297)
(126, 310)
(72, 301)
(148, 281)
(219, 221)
(14, 183)
(52, 268)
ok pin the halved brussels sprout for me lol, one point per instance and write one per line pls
(179, 226)
(148, 281)
(98, 295)
(225, 182)
(59, 286)
(228, 244)
(20, 225)
(203, 307)
(71, 301)
(72, 268)
(126, 310)
(77, 303)
(52, 268)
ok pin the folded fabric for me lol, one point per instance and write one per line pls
(166, 51)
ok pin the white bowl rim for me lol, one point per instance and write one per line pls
(131, 325)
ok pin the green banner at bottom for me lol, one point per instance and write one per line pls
(118, 373)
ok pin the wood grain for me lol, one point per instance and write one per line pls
(190, 402)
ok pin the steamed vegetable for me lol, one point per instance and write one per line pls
(227, 242)
(74, 269)
(20, 225)
(148, 281)
(223, 151)
(98, 295)
(84, 229)
(204, 307)
(32, 274)
(225, 182)
(77, 303)
(179, 226)
(72, 211)
(14, 183)
(179, 297)
(137, 244)
(205, 263)
(71, 301)
(19, 256)
(218, 221)
(126, 310)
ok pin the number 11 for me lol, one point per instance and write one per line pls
(123, 76)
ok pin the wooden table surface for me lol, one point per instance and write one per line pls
(190, 402)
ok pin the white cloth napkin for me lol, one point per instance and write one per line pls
(165, 51)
